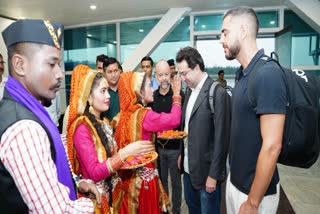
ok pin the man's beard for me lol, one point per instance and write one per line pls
(233, 51)
(46, 102)
(165, 85)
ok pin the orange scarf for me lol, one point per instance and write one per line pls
(129, 127)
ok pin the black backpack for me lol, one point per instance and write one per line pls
(301, 140)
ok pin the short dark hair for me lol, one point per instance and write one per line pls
(101, 58)
(220, 72)
(147, 58)
(239, 11)
(171, 62)
(192, 57)
(24, 48)
(110, 60)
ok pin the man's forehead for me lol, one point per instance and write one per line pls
(146, 62)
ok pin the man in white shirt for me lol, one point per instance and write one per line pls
(204, 153)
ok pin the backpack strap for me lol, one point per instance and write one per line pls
(264, 59)
(212, 92)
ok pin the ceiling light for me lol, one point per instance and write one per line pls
(89, 35)
(203, 26)
(141, 30)
(272, 22)
(93, 7)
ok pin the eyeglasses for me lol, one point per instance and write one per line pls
(184, 73)
(112, 71)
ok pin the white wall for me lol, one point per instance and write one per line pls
(3, 50)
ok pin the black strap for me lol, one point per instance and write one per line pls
(252, 75)
(264, 59)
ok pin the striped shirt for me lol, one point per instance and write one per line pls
(25, 153)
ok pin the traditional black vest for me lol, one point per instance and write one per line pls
(11, 112)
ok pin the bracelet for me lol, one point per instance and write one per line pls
(109, 166)
(120, 155)
(176, 103)
(176, 99)
(115, 162)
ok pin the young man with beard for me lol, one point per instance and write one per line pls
(34, 173)
(112, 70)
(169, 150)
(256, 132)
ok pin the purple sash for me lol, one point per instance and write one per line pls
(22, 96)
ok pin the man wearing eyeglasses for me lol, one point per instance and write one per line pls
(204, 152)
(112, 70)
(3, 79)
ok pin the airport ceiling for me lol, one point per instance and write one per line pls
(78, 12)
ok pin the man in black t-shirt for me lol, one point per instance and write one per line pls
(256, 132)
(168, 150)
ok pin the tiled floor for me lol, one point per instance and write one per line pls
(302, 187)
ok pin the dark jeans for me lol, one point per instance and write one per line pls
(200, 201)
(168, 161)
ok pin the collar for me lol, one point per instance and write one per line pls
(169, 93)
(253, 61)
(200, 84)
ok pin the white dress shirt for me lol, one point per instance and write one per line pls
(192, 99)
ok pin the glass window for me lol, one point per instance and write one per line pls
(208, 22)
(268, 19)
(214, 59)
(82, 45)
(305, 41)
(177, 39)
(132, 33)
(303, 56)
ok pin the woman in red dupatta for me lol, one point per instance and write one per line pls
(140, 190)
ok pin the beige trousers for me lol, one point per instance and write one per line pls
(234, 199)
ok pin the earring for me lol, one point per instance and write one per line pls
(90, 107)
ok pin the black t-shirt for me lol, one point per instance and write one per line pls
(246, 141)
(163, 103)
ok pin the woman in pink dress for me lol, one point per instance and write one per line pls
(92, 150)
(140, 190)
